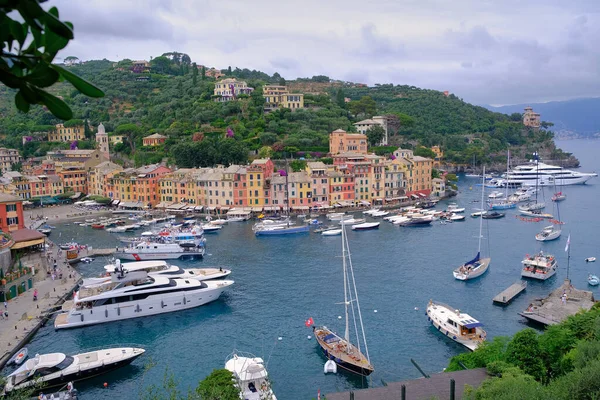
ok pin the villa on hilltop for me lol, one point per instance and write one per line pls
(229, 89)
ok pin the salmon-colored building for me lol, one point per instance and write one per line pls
(137, 187)
(11, 213)
(341, 141)
(155, 139)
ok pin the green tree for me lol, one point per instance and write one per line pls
(71, 59)
(218, 386)
(131, 131)
(375, 134)
(194, 74)
(29, 45)
(340, 99)
(365, 106)
(265, 152)
(203, 73)
(161, 65)
(298, 165)
(424, 152)
(524, 352)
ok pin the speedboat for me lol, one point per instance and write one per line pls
(559, 196)
(539, 266)
(454, 208)
(478, 214)
(146, 251)
(352, 221)
(366, 226)
(371, 211)
(211, 228)
(45, 231)
(378, 214)
(590, 259)
(331, 232)
(250, 376)
(495, 195)
(593, 280)
(335, 216)
(417, 221)
(536, 214)
(493, 215)
(218, 221)
(456, 217)
(460, 327)
(135, 294)
(56, 369)
(86, 260)
(549, 233)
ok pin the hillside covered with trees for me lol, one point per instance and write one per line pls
(176, 99)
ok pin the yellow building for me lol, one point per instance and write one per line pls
(228, 89)
(8, 157)
(66, 134)
(418, 171)
(439, 155)
(254, 185)
(116, 139)
(531, 118)
(277, 96)
(99, 174)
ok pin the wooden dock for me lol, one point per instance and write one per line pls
(559, 305)
(507, 295)
(91, 253)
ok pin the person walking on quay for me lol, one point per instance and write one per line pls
(35, 294)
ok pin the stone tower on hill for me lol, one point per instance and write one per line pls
(102, 141)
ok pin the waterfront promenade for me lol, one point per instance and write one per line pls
(26, 316)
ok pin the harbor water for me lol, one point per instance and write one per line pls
(282, 281)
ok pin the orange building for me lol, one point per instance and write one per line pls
(341, 141)
(137, 187)
(74, 180)
(341, 188)
(11, 213)
(240, 194)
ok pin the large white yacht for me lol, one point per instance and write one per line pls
(546, 175)
(250, 377)
(135, 294)
(162, 268)
(458, 326)
(56, 369)
(539, 266)
(145, 251)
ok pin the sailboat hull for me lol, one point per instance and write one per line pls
(548, 236)
(463, 273)
(355, 363)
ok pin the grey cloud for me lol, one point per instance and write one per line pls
(284, 63)
(376, 45)
(477, 37)
(466, 64)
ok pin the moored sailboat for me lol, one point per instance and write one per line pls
(477, 266)
(345, 354)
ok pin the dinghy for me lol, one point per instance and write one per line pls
(593, 280)
(590, 259)
(330, 367)
(19, 357)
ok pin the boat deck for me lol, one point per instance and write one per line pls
(551, 310)
(508, 294)
(61, 319)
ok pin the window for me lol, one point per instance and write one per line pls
(11, 207)
(12, 221)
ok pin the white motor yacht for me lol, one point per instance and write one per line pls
(380, 213)
(460, 327)
(495, 195)
(539, 266)
(250, 377)
(135, 294)
(146, 251)
(57, 369)
(162, 268)
(546, 175)
(549, 233)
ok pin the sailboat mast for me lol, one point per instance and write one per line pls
(507, 171)
(481, 216)
(347, 330)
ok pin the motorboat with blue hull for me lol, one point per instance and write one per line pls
(57, 369)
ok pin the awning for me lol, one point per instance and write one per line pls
(176, 206)
(115, 202)
(422, 195)
(29, 243)
(402, 198)
(211, 208)
(388, 199)
(198, 208)
(162, 204)
(473, 325)
(364, 203)
(271, 208)
(224, 208)
(76, 195)
(257, 209)
(131, 204)
(301, 208)
(414, 196)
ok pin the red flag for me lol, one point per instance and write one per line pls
(319, 394)
(309, 322)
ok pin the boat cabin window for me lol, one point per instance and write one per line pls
(451, 322)
(50, 370)
(467, 331)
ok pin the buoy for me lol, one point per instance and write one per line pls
(416, 308)
(339, 317)
(105, 384)
(308, 337)
(279, 338)
(374, 310)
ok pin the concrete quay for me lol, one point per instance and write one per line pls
(26, 316)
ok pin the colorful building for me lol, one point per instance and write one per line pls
(230, 88)
(66, 134)
(19, 184)
(74, 180)
(341, 141)
(155, 139)
(277, 96)
(366, 124)
(99, 174)
(320, 182)
(531, 118)
(11, 213)
(8, 157)
(341, 188)
(137, 187)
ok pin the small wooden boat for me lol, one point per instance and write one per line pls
(19, 357)
(590, 259)
(97, 226)
(593, 280)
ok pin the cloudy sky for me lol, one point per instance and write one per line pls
(485, 51)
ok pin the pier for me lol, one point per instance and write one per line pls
(508, 294)
(559, 305)
(91, 252)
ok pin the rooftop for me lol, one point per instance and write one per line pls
(155, 136)
(8, 198)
